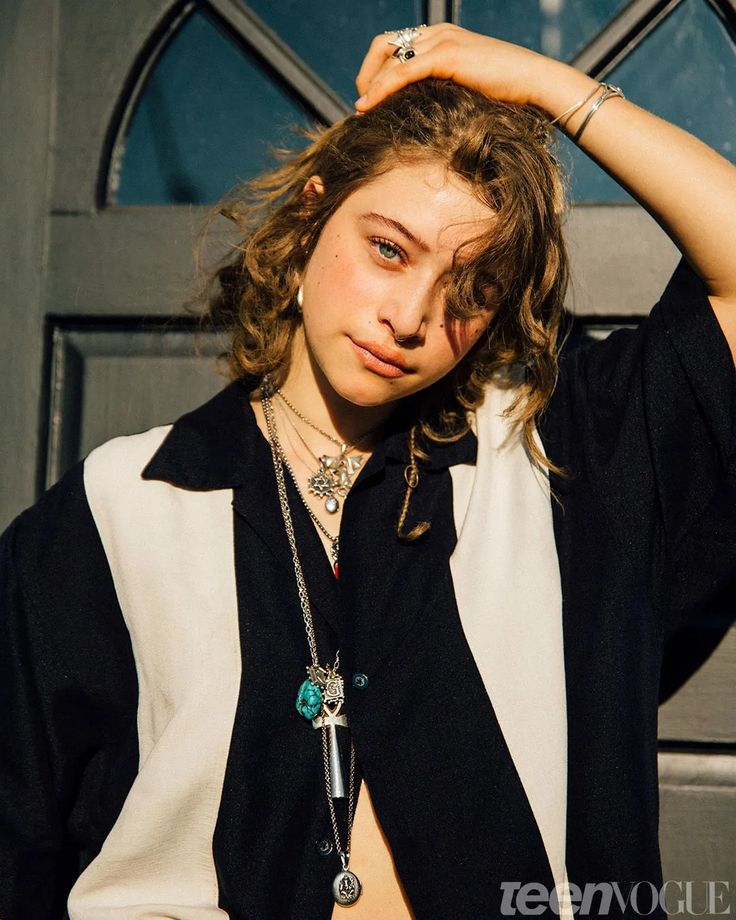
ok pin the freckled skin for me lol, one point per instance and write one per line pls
(360, 289)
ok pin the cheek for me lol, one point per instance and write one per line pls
(338, 272)
(335, 298)
(463, 334)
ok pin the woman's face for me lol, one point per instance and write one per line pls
(375, 321)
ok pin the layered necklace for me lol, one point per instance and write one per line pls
(334, 475)
(321, 696)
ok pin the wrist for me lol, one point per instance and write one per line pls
(560, 86)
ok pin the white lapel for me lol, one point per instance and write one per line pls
(171, 556)
(507, 584)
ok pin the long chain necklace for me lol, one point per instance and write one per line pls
(333, 538)
(322, 695)
(334, 475)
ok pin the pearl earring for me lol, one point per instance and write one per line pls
(300, 296)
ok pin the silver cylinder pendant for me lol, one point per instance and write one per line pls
(337, 783)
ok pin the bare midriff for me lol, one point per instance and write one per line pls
(371, 860)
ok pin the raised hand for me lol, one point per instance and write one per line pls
(495, 68)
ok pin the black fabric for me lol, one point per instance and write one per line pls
(643, 424)
(68, 694)
(428, 739)
(644, 529)
(273, 812)
(394, 609)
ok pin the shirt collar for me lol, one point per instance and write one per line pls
(213, 447)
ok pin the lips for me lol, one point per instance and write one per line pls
(379, 360)
(384, 355)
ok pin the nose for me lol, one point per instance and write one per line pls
(406, 315)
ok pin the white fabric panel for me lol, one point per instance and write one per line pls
(507, 584)
(157, 861)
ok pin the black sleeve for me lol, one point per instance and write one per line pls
(67, 702)
(648, 416)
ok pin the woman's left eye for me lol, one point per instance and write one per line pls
(388, 251)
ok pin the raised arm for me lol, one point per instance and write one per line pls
(685, 185)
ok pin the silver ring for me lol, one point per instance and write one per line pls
(404, 41)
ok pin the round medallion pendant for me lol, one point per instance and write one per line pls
(346, 887)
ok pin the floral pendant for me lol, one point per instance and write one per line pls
(334, 478)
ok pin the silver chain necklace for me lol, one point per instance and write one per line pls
(333, 538)
(322, 695)
(335, 474)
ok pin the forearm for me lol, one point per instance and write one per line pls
(686, 186)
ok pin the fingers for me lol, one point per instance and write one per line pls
(380, 50)
(375, 56)
(431, 60)
(497, 69)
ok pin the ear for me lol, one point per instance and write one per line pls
(313, 187)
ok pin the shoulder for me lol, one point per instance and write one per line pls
(59, 517)
(56, 542)
(113, 474)
(125, 456)
(58, 592)
(493, 421)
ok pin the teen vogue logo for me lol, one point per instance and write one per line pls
(695, 899)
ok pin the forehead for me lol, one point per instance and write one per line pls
(437, 205)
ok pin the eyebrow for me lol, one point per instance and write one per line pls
(396, 225)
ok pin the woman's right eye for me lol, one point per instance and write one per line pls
(388, 251)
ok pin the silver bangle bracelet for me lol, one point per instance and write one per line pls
(577, 105)
(608, 92)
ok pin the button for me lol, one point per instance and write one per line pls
(360, 681)
(323, 847)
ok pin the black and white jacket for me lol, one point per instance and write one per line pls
(153, 763)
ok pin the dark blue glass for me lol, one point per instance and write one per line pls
(210, 107)
(684, 71)
(558, 28)
(203, 121)
(332, 38)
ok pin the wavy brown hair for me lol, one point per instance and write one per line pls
(519, 266)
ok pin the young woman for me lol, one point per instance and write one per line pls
(378, 628)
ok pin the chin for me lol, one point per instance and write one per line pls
(369, 393)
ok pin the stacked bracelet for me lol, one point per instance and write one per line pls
(608, 91)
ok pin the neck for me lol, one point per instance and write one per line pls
(306, 387)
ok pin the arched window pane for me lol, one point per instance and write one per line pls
(332, 38)
(209, 108)
(558, 28)
(684, 71)
(203, 120)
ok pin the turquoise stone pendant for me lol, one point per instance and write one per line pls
(309, 700)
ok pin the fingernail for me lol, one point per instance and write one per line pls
(361, 101)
